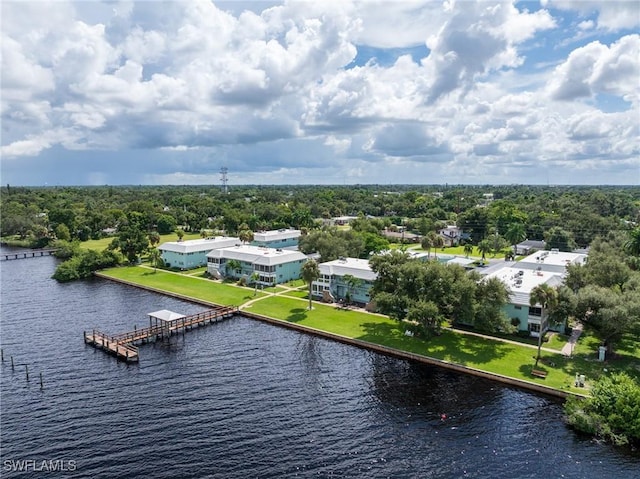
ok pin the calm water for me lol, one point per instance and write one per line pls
(241, 399)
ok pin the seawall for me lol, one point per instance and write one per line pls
(397, 353)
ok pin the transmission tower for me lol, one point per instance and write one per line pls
(223, 178)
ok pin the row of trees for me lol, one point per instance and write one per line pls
(563, 216)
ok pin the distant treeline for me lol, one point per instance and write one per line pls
(574, 215)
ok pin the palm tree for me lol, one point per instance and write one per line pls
(427, 243)
(352, 283)
(484, 247)
(233, 265)
(547, 297)
(632, 245)
(255, 276)
(438, 242)
(515, 234)
(154, 238)
(468, 249)
(245, 234)
(310, 273)
(154, 258)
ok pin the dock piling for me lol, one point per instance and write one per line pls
(26, 368)
(41, 386)
(12, 363)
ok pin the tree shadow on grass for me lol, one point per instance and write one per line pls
(449, 346)
(297, 314)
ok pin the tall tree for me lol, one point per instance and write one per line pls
(232, 267)
(547, 297)
(310, 273)
(516, 233)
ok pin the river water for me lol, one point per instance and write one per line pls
(243, 399)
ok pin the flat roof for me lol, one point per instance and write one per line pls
(166, 315)
(521, 282)
(257, 254)
(275, 235)
(356, 267)
(554, 258)
(205, 244)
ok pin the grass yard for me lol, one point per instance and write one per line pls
(102, 243)
(512, 360)
(197, 288)
(488, 355)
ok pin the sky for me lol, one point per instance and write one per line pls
(320, 92)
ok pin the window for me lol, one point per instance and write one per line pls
(534, 311)
(534, 328)
(518, 307)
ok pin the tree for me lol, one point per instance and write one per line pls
(611, 412)
(438, 242)
(233, 267)
(155, 258)
(245, 234)
(427, 242)
(484, 247)
(62, 232)
(154, 238)
(255, 276)
(310, 273)
(515, 234)
(468, 249)
(132, 239)
(547, 297)
(352, 283)
(490, 296)
(632, 245)
(559, 238)
(427, 315)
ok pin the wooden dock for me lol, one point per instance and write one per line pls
(33, 253)
(123, 346)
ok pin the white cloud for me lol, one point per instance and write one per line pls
(597, 68)
(273, 88)
(612, 15)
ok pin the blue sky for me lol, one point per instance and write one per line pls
(335, 92)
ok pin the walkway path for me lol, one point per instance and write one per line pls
(567, 349)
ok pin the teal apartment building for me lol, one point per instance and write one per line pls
(192, 253)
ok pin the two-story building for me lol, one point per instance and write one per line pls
(282, 238)
(271, 265)
(452, 235)
(192, 253)
(521, 278)
(344, 279)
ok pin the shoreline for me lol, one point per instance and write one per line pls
(387, 351)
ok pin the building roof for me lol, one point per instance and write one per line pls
(358, 268)
(461, 261)
(257, 254)
(198, 245)
(539, 244)
(521, 282)
(275, 235)
(555, 261)
(166, 315)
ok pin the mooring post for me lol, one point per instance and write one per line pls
(12, 363)
(1, 355)
(26, 368)
(41, 386)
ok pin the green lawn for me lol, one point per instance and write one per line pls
(197, 288)
(494, 356)
(102, 243)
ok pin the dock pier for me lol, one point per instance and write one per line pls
(33, 253)
(162, 324)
